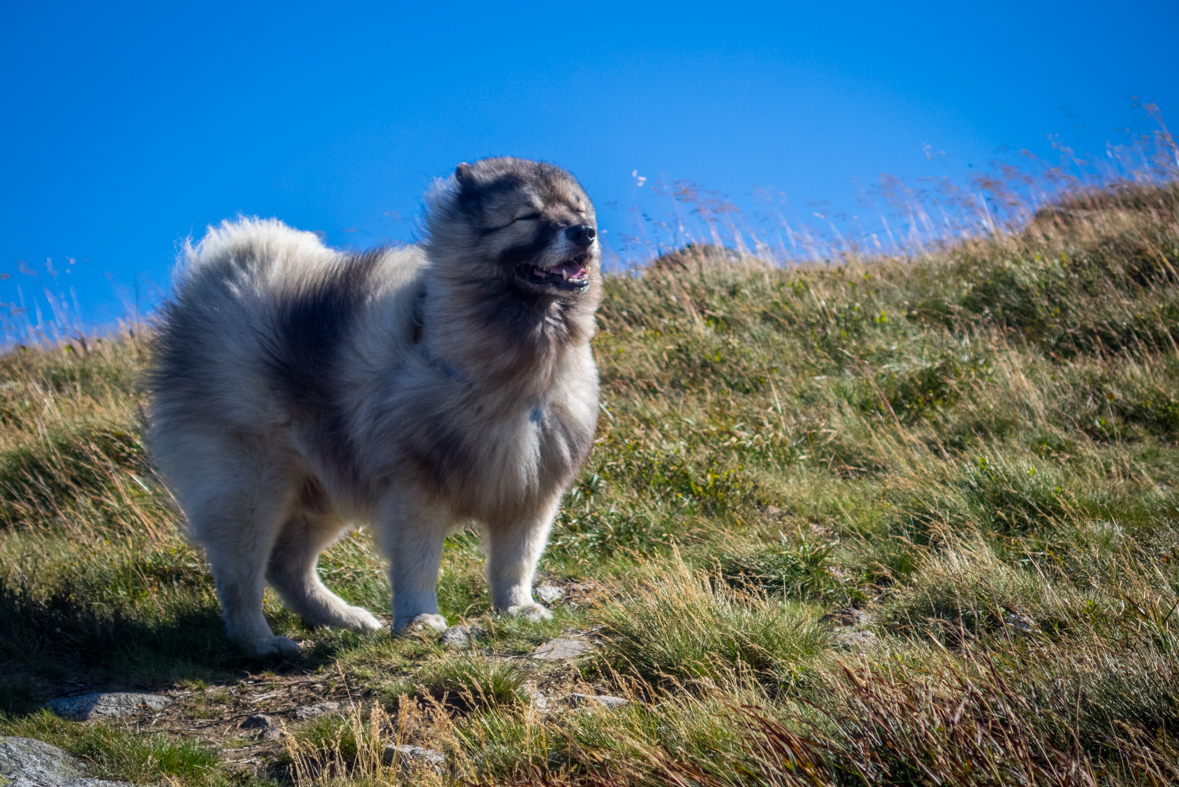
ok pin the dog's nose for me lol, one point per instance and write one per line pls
(581, 234)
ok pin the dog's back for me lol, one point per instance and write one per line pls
(255, 331)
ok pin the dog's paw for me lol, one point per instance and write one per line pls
(423, 622)
(269, 647)
(360, 619)
(532, 611)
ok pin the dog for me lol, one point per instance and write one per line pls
(299, 390)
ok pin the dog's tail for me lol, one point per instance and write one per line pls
(251, 244)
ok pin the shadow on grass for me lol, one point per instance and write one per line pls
(60, 646)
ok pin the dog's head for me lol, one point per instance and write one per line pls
(518, 222)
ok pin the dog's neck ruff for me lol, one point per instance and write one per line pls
(446, 369)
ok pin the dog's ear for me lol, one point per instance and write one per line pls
(462, 173)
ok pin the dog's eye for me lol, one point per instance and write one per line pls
(529, 217)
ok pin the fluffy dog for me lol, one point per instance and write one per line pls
(298, 389)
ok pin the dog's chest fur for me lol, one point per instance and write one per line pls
(491, 439)
(482, 457)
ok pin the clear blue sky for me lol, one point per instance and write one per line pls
(126, 127)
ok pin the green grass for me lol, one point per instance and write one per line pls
(680, 626)
(115, 754)
(978, 446)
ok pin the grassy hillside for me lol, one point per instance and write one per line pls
(878, 522)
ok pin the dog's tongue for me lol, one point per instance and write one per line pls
(572, 270)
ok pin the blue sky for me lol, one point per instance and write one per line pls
(126, 127)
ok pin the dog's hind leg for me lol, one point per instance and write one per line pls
(308, 531)
(513, 550)
(237, 519)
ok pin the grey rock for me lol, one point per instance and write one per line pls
(603, 700)
(25, 762)
(107, 705)
(259, 721)
(539, 702)
(412, 758)
(1020, 624)
(315, 711)
(548, 594)
(560, 649)
(851, 639)
(850, 616)
(460, 636)
(262, 726)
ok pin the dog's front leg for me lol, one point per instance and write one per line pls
(413, 538)
(513, 551)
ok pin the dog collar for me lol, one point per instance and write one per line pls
(538, 414)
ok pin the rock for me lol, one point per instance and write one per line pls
(259, 721)
(851, 639)
(315, 711)
(25, 762)
(414, 757)
(106, 705)
(263, 725)
(604, 700)
(460, 636)
(1020, 624)
(850, 616)
(539, 702)
(548, 594)
(560, 649)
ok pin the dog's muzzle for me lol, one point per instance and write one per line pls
(569, 275)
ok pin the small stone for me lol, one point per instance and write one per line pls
(25, 762)
(459, 635)
(538, 701)
(263, 726)
(1020, 624)
(259, 721)
(604, 700)
(106, 705)
(315, 711)
(850, 616)
(548, 594)
(852, 639)
(413, 757)
(560, 649)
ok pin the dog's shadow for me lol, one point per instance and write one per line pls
(59, 647)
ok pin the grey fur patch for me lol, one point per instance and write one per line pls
(312, 326)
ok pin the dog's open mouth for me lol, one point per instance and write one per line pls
(568, 275)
